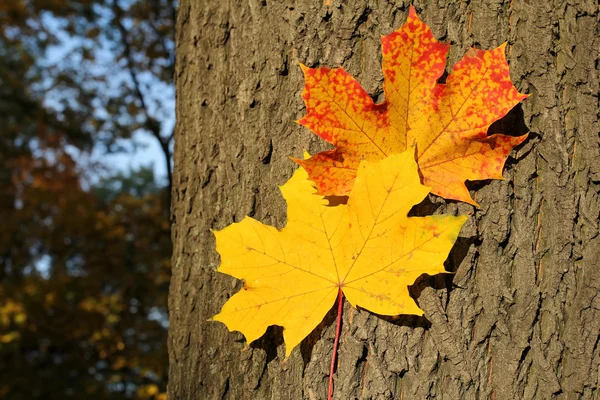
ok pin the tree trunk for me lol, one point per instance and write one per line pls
(519, 319)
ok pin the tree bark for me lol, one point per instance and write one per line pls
(519, 318)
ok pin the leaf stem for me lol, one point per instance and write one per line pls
(337, 341)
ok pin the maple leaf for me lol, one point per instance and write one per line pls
(368, 248)
(446, 122)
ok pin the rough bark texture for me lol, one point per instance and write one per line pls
(519, 319)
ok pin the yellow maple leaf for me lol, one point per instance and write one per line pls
(369, 249)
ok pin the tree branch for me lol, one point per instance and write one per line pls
(151, 123)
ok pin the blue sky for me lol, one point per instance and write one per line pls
(147, 153)
(143, 149)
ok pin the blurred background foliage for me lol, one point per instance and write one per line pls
(85, 246)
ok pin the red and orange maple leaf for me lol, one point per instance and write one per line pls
(446, 122)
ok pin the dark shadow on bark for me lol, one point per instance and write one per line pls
(458, 253)
(336, 200)
(512, 124)
(412, 321)
(442, 79)
(527, 146)
(476, 185)
(437, 282)
(424, 208)
(269, 342)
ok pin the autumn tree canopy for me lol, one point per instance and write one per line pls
(84, 253)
